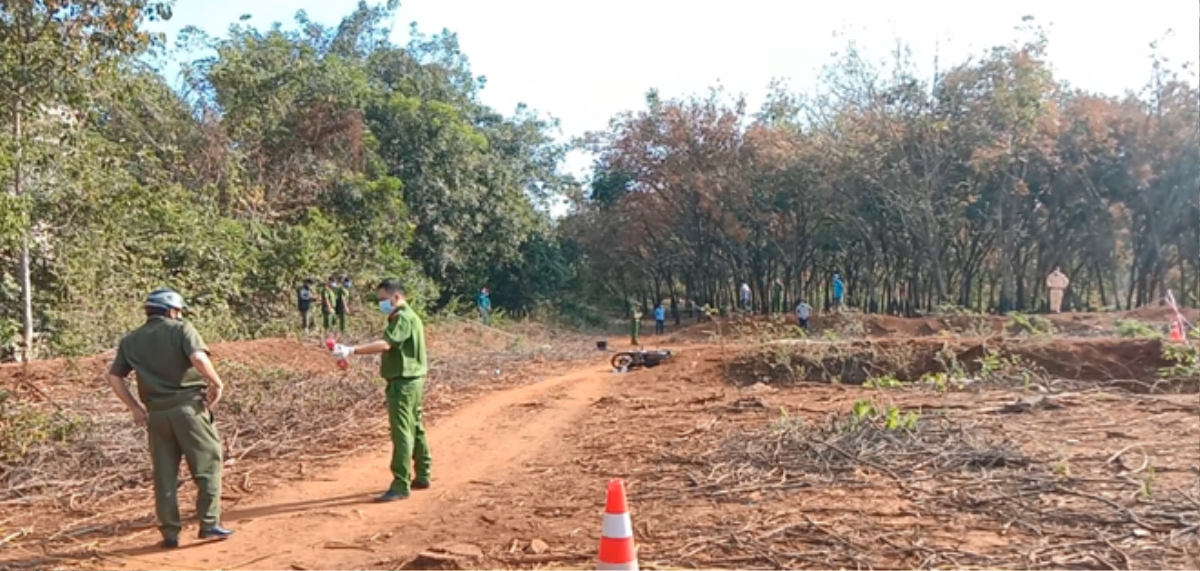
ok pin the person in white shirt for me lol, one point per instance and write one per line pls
(802, 312)
(745, 296)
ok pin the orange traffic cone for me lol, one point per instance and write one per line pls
(617, 551)
(1176, 331)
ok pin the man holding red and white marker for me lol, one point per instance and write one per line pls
(403, 366)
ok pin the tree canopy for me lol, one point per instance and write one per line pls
(965, 189)
(300, 151)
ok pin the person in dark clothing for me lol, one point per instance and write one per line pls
(304, 299)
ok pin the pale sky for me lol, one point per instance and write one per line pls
(583, 62)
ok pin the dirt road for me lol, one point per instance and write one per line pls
(320, 524)
(733, 460)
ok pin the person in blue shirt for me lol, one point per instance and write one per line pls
(660, 319)
(484, 302)
(839, 290)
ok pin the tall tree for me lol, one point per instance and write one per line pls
(51, 52)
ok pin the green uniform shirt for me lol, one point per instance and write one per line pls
(340, 295)
(406, 335)
(328, 298)
(160, 352)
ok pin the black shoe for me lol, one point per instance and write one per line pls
(390, 496)
(420, 484)
(215, 532)
(169, 543)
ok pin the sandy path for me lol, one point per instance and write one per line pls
(327, 523)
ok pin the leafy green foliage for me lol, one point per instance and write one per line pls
(864, 413)
(1185, 359)
(23, 427)
(291, 153)
(1034, 325)
(1134, 328)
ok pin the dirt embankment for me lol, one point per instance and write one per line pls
(1095, 360)
(852, 324)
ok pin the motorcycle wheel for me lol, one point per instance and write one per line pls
(622, 360)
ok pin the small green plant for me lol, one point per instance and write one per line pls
(942, 383)
(995, 366)
(1132, 328)
(1062, 468)
(885, 382)
(990, 363)
(1034, 325)
(860, 412)
(948, 359)
(896, 421)
(1147, 491)
(864, 413)
(23, 427)
(787, 424)
(1185, 359)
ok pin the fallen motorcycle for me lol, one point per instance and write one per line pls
(626, 360)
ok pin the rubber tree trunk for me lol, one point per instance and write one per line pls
(24, 269)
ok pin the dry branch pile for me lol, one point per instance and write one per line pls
(935, 494)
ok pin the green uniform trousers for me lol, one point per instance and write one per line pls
(634, 326)
(341, 320)
(185, 431)
(409, 444)
(327, 321)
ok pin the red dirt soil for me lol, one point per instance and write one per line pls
(520, 473)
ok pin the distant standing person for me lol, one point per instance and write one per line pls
(635, 323)
(777, 297)
(403, 366)
(660, 319)
(1057, 282)
(304, 299)
(483, 301)
(177, 386)
(839, 291)
(745, 295)
(803, 310)
(328, 300)
(341, 303)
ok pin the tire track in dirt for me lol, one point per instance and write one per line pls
(326, 523)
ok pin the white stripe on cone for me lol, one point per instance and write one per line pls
(617, 526)
(631, 566)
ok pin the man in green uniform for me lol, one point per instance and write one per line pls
(341, 302)
(777, 297)
(172, 365)
(403, 366)
(635, 323)
(328, 301)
